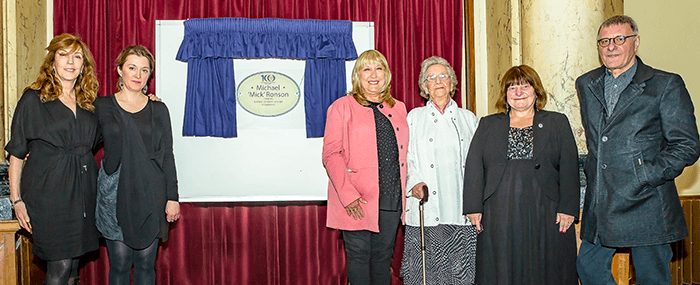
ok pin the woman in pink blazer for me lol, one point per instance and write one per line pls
(364, 152)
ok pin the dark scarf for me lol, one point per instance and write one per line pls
(136, 205)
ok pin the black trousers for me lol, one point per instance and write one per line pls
(369, 254)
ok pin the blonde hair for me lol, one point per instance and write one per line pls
(371, 56)
(86, 84)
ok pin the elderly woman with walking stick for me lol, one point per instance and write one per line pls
(439, 138)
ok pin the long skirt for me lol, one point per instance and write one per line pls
(520, 242)
(450, 255)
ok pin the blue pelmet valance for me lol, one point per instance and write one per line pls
(267, 38)
(209, 45)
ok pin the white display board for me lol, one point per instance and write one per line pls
(271, 159)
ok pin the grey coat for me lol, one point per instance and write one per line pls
(634, 157)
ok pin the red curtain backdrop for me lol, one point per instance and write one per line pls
(267, 243)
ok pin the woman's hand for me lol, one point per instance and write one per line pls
(22, 216)
(153, 97)
(354, 209)
(172, 211)
(564, 222)
(417, 191)
(14, 175)
(475, 219)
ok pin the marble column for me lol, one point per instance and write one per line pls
(559, 41)
(24, 35)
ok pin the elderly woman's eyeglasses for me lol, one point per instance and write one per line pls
(619, 40)
(432, 78)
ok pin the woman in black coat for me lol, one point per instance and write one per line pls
(54, 120)
(137, 184)
(521, 188)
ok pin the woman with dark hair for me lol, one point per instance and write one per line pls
(137, 184)
(364, 152)
(522, 181)
(53, 194)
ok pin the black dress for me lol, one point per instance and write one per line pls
(521, 243)
(59, 176)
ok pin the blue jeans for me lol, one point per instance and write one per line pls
(651, 264)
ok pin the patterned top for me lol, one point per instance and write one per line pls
(388, 155)
(520, 143)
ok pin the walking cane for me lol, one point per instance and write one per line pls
(422, 229)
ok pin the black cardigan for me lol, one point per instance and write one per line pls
(148, 177)
(554, 154)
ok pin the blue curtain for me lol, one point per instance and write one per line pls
(210, 103)
(210, 45)
(324, 82)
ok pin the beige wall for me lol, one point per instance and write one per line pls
(670, 36)
(23, 34)
(558, 40)
(498, 41)
(31, 37)
(555, 37)
(2, 69)
(499, 48)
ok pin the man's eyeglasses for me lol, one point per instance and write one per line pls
(442, 77)
(619, 40)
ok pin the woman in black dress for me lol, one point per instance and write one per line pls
(522, 177)
(137, 184)
(54, 121)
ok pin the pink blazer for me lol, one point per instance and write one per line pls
(350, 158)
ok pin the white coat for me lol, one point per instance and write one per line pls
(437, 150)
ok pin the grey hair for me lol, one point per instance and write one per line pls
(427, 63)
(619, 20)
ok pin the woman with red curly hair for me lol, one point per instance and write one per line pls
(54, 121)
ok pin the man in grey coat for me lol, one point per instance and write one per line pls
(641, 133)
